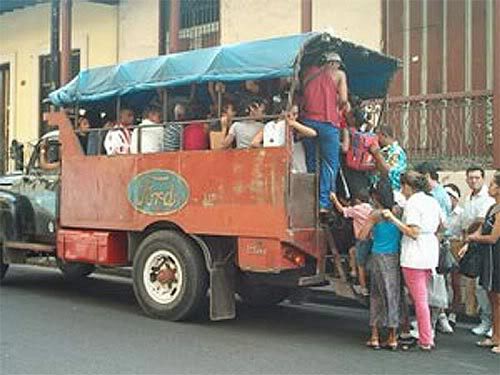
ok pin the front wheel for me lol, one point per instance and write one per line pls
(170, 278)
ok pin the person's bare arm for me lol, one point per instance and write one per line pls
(411, 231)
(382, 165)
(302, 129)
(336, 202)
(491, 238)
(341, 81)
(228, 141)
(346, 141)
(366, 230)
(258, 139)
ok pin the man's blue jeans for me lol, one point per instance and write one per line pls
(329, 144)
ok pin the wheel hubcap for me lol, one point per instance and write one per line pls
(163, 276)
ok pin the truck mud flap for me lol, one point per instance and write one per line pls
(222, 290)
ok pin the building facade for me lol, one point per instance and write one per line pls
(446, 48)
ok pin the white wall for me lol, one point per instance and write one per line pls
(138, 29)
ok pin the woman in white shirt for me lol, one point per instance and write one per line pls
(422, 218)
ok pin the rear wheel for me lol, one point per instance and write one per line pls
(73, 270)
(170, 278)
(260, 295)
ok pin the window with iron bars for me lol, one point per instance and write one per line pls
(199, 24)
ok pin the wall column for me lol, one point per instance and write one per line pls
(162, 27)
(306, 18)
(66, 25)
(174, 25)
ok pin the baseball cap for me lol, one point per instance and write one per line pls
(332, 56)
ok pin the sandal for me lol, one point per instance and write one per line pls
(486, 343)
(393, 345)
(496, 349)
(426, 348)
(373, 343)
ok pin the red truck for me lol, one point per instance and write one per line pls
(189, 223)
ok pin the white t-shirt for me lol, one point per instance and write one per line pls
(117, 140)
(151, 138)
(475, 207)
(244, 132)
(423, 211)
(275, 136)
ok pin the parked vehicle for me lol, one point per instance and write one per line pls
(190, 221)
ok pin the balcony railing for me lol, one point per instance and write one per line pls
(454, 129)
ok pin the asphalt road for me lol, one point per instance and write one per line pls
(51, 326)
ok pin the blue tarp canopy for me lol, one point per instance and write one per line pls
(369, 72)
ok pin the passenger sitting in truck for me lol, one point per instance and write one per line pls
(219, 129)
(82, 131)
(195, 134)
(274, 135)
(173, 132)
(117, 140)
(243, 132)
(151, 138)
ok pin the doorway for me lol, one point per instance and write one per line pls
(4, 116)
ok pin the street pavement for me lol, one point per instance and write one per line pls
(51, 326)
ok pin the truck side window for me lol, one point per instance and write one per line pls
(49, 158)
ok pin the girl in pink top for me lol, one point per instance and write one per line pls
(358, 255)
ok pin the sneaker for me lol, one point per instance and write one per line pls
(489, 334)
(414, 333)
(443, 325)
(481, 329)
(360, 290)
(452, 319)
(414, 324)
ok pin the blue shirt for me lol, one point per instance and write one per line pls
(386, 238)
(395, 157)
(443, 199)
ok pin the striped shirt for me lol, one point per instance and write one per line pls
(172, 137)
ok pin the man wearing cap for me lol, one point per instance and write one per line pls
(324, 95)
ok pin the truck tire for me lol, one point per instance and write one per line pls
(260, 295)
(170, 277)
(74, 270)
(3, 266)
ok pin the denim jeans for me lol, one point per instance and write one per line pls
(329, 146)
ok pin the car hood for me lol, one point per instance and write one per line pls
(7, 180)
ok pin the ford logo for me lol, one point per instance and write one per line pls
(158, 192)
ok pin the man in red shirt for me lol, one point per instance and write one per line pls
(324, 96)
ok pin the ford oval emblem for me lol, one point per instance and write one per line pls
(158, 192)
